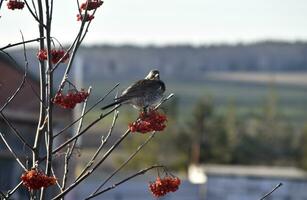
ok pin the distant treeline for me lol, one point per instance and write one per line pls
(128, 61)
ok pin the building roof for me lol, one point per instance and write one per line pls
(25, 106)
(254, 171)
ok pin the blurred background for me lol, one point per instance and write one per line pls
(238, 123)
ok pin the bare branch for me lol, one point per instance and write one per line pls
(16, 132)
(20, 43)
(23, 79)
(75, 46)
(268, 194)
(12, 152)
(56, 181)
(103, 142)
(81, 133)
(125, 180)
(77, 182)
(124, 164)
(34, 7)
(1, 1)
(164, 100)
(11, 192)
(42, 83)
(99, 101)
(70, 150)
(34, 14)
(49, 92)
(16, 91)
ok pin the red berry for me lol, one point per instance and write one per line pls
(91, 4)
(15, 4)
(87, 17)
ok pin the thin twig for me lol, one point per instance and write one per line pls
(268, 194)
(24, 76)
(17, 90)
(12, 152)
(103, 142)
(124, 164)
(1, 1)
(34, 7)
(125, 180)
(20, 43)
(77, 182)
(164, 100)
(16, 132)
(81, 133)
(72, 56)
(88, 26)
(79, 8)
(42, 83)
(71, 149)
(34, 92)
(56, 181)
(65, 55)
(99, 101)
(49, 92)
(11, 192)
(34, 14)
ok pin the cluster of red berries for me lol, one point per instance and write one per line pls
(91, 4)
(88, 17)
(147, 122)
(69, 100)
(56, 55)
(15, 4)
(163, 186)
(36, 179)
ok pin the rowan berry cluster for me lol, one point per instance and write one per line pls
(88, 17)
(56, 55)
(15, 4)
(91, 4)
(70, 100)
(36, 179)
(162, 186)
(149, 121)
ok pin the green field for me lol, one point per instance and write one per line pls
(249, 98)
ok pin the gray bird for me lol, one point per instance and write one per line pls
(143, 94)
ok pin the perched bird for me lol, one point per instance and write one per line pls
(143, 94)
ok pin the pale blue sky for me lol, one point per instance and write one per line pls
(171, 21)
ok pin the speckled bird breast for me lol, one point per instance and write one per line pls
(148, 100)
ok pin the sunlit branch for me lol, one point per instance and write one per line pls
(12, 152)
(268, 194)
(125, 180)
(15, 131)
(124, 164)
(81, 133)
(103, 142)
(71, 149)
(92, 107)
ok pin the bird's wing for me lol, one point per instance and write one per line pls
(142, 88)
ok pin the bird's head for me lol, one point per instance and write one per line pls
(153, 75)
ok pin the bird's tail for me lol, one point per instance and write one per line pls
(112, 104)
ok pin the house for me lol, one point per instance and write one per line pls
(235, 182)
(23, 114)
